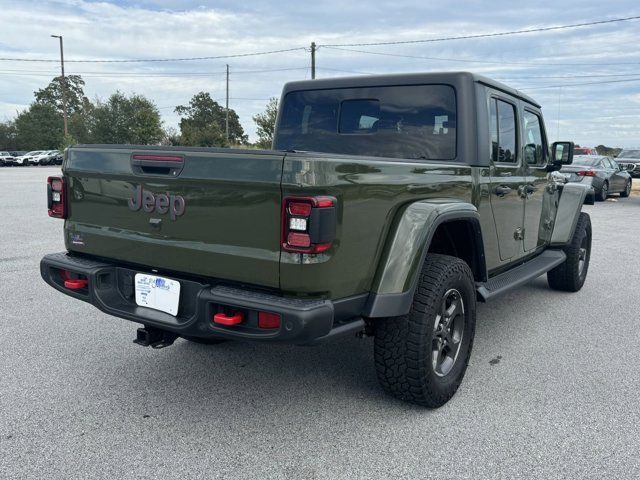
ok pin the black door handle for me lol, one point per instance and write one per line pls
(502, 190)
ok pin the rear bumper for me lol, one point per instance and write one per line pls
(110, 288)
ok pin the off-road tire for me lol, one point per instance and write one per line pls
(205, 340)
(569, 276)
(627, 189)
(604, 192)
(403, 345)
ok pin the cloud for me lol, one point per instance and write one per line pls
(171, 29)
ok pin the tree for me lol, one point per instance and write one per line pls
(128, 120)
(170, 137)
(67, 141)
(39, 127)
(79, 108)
(52, 94)
(266, 123)
(203, 123)
(608, 151)
(8, 136)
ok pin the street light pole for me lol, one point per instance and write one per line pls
(64, 85)
(227, 109)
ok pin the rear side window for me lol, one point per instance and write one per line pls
(534, 142)
(502, 123)
(410, 122)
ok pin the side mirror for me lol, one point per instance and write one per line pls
(561, 154)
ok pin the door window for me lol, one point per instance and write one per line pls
(503, 131)
(534, 149)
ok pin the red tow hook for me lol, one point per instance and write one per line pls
(222, 319)
(76, 283)
(73, 283)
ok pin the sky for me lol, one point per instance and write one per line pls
(587, 79)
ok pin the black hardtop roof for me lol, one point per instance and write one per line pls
(402, 79)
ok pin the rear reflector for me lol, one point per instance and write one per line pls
(268, 320)
(586, 173)
(223, 319)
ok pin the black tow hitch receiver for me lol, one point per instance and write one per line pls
(154, 337)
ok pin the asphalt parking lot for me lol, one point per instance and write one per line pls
(552, 390)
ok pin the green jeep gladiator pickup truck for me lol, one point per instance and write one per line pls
(388, 206)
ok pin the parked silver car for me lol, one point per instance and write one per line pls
(602, 173)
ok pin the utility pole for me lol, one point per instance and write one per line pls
(313, 60)
(227, 107)
(64, 85)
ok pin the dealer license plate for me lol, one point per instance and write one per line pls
(158, 293)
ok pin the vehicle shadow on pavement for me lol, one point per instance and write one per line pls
(188, 377)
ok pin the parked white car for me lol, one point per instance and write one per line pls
(25, 159)
(37, 157)
(6, 159)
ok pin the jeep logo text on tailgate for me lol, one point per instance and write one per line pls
(160, 203)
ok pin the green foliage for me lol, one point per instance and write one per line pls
(203, 123)
(79, 108)
(39, 127)
(266, 123)
(126, 120)
(67, 141)
(170, 137)
(52, 94)
(208, 135)
(608, 151)
(8, 136)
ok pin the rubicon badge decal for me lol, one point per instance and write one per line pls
(161, 203)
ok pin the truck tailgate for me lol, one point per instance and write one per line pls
(209, 212)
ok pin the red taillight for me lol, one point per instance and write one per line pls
(586, 173)
(56, 197)
(302, 209)
(301, 240)
(308, 224)
(268, 320)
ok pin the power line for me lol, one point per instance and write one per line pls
(489, 62)
(578, 84)
(40, 73)
(140, 60)
(336, 45)
(344, 71)
(484, 35)
(527, 77)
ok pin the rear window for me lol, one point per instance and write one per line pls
(630, 154)
(588, 161)
(411, 122)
